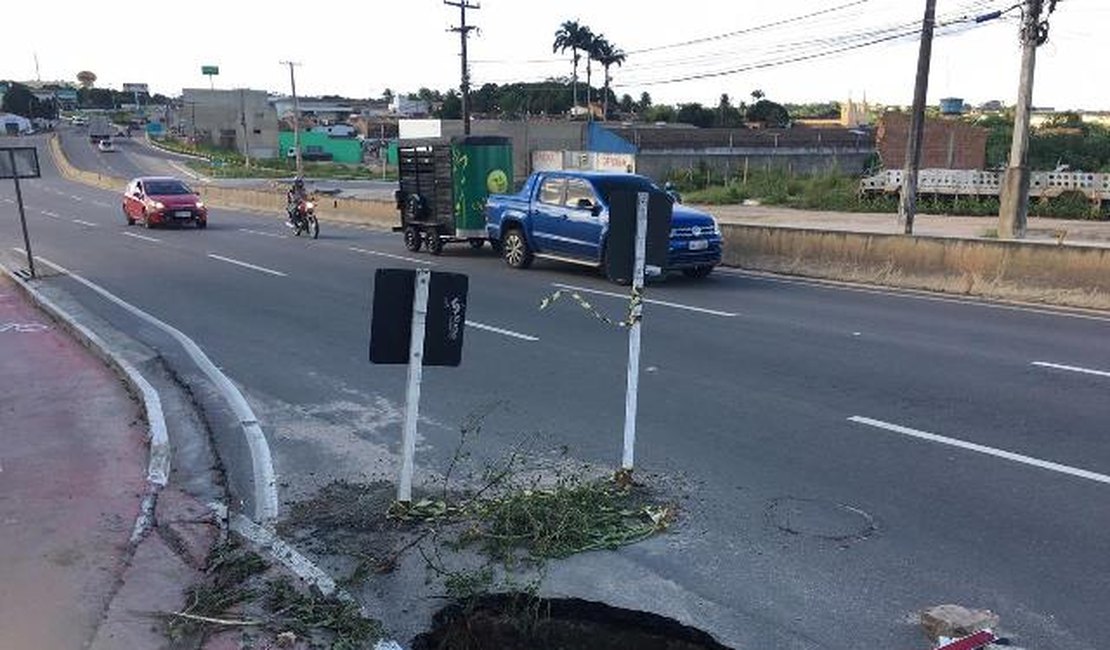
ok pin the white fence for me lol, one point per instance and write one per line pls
(970, 182)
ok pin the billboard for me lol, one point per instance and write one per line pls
(136, 88)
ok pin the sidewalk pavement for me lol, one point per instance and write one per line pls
(73, 466)
(1073, 231)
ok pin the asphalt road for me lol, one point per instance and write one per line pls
(803, 528)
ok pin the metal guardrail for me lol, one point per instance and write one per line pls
(970, 182)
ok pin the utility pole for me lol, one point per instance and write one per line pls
(296, 118)
(1014, 201)
(464, 32)
(243, 123)
(907, 206)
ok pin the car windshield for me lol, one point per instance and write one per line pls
(163, 188)
(607, 185)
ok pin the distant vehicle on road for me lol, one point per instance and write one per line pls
(312, 152)
(565, 215)
(106, 145)
(99, 128)
(158, 201)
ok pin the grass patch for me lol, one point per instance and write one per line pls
(305, 615)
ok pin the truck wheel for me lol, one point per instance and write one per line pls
(433, 242)
(698, 272)
(514, 248)
(412, 239)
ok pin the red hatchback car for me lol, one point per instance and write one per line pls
(158, 201)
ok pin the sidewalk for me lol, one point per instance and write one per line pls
(73, 467)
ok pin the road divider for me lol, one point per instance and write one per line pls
(247, 265)
(1085, 371)
(982, 449)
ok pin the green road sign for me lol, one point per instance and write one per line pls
(210, 69)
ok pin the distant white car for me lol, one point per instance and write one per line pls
(106, 145)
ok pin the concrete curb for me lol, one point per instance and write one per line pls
(158, 467)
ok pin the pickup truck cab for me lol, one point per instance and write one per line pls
(564, 215)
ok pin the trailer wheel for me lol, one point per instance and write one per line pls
(412, 239)
(432, 241)
(475, 243)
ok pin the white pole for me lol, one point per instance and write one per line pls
(634, 334)
(412, 394)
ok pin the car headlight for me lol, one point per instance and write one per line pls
(158, 205)
(310, 205)
(200, 204)
(716, 227)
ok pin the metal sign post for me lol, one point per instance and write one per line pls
(16, 163)
(412, 392)
(634, 317)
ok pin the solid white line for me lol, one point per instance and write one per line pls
(982, 449)
(264, 234)
(246, 265)
(1086, 371)
(498, 330)
(911, 294)
(262, 466)
(143, 237)
(424, 262)
(661, 303)
(84, 223)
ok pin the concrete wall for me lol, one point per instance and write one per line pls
(216, 117)
(801, 160)
(1024, 271)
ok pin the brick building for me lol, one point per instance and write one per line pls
(948, 144)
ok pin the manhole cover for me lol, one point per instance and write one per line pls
(820, 519)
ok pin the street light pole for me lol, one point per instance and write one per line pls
(296, 118)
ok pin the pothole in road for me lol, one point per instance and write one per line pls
(523, 622)
(820, 519)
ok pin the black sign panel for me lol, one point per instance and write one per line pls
(620, 248)
(391, 320)
(19, 162)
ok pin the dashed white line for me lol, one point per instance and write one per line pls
(263, 234)
(1085, 371)
(85, 223)
(247, 265)
(50, 214)
(661, 303)
(76, 198)
(101, 204)
(142, 237)
(983, 449)
(414, 260)
(498, 330)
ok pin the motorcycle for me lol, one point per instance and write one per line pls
(304, 219)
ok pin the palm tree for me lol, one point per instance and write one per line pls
(608, 55)
(571, 36)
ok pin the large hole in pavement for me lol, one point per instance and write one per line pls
(522, 622)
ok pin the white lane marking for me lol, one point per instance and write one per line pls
(247, 265)
(911, 294)
(1086, 371)
(414, 260)
(50, 214)
(983, 449)
(101, 204)
(263, 234)
(498, 330)
(262, 466)
(76, 198)
(84, 223)
(143, 237)
(661, 303)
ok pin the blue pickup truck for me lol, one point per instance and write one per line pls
(564, 215)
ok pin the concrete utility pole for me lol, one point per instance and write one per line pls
(1014, 201)
(464, 32)
(296, 118)
(907, 207)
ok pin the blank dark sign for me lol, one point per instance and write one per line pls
(26, 162)
(391, 319)
(620, 248)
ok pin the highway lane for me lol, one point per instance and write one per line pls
(751, 407)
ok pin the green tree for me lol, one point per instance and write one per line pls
(608, 55)
(627, 104)
(728, 116)
(451, 109)
(769, 113)
(696, 114)
(661, 113)
(574, 37)
(645, 101)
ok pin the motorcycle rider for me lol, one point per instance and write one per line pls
(293, 199)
